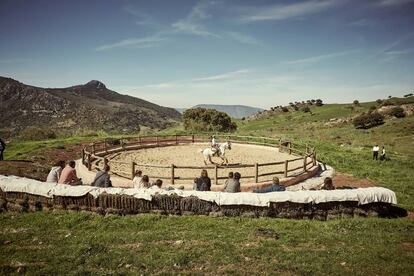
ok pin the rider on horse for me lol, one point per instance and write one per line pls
(215, 147)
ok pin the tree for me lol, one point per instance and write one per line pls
(285, 109)
(306, 109)
(368, 120)
(201, 119)
(408, 95)
(356, 102)
(379, 101)
(319, 102)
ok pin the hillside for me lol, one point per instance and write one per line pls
(91, 106)
(234, 111)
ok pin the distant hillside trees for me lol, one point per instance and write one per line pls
(202, 119)
(408, 95)
(318, 102)
(368, 120)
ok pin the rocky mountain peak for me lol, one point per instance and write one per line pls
(95, 84)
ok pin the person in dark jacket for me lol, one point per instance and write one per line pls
(102, 178)
(2, 149)
(275, 187)
(328, 184)
(203, 182)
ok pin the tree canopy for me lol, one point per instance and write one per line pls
(202, 119)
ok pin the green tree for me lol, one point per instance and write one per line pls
(201, 119)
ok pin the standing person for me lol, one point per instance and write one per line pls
(55, 172)
(203, 182)
(102, 178)
(68, 175)
(383, 153)
(137, 181)
(233, 185)
(2, 149)
(375, 151)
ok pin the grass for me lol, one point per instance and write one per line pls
(83, 243)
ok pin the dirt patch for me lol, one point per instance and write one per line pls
(408, 245)
(346, 180)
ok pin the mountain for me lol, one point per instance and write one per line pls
(89, 106)
(235, 111)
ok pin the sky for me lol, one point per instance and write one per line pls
(182, 53)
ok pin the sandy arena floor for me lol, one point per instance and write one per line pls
(190, 155)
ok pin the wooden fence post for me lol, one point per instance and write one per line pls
(192, 138)
(304, 163)
(286, 168)
(89, 162)
(256, 172)
(105, 147)
(215, 174)
(83, 156)
(314, 158)
(156, 138)
(290, 147)
(132, 169)
(172, 174)
(176, 139)
(93, 148)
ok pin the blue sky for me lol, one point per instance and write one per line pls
(182, 53)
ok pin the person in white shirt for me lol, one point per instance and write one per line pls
(214, 144)
(140, 181)
(375, 151)
(55, 172)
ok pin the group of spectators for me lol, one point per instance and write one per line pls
(142, 181)
(63, 173)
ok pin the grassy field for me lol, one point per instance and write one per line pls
(83, 243)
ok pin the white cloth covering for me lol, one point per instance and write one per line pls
(361, 195)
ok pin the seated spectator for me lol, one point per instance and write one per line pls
(157, 185)
(231, 176)
(327, 184)
(203, 182)
(102, 178)
(137, 181)
(145, 182)
(233, 185)
(55, 172)
(275, 187)
(68, 175)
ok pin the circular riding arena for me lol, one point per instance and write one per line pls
(177, 160)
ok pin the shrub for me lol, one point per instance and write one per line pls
(379, 101)
(356, 102)
(368, 120)
(202, 119)
(397, 112)
(408, 95)
(36, 133)
(285, 109)
(319, 102)
(372, 108)
(387, 102)
(306, 109)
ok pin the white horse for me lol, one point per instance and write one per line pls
(208, 153)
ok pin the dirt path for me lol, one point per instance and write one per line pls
(347, 180)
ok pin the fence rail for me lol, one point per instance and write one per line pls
(96, 152)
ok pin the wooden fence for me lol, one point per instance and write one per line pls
(96, 153)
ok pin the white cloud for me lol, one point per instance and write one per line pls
(144, 42)
(318, 58)
(192, 23)
(283, 12)
(226, 76)
(361, 23)
(390, 3)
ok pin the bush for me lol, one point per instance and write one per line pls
(306, 109)
(379, 101)
(408, 95)
(372, 108)
(397, 112)
(356, 102)
(285, 109)
(319, 102)
(202, 119)
(368, 120)
(36, 133)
